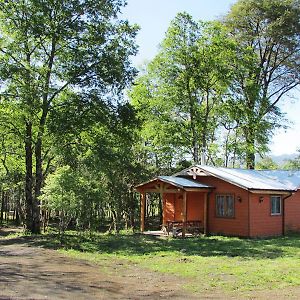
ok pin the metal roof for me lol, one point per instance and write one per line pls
(252, 179)
(183, 182)
(291, 179)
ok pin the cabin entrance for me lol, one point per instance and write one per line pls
(185, 203)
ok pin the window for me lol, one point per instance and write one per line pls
(275, 205)
(225, 206)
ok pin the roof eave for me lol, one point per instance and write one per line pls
(202, 189)
(175, 184)
(186, 188)
(271, 191)
(170, 182)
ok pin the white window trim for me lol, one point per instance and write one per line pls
(280, 205)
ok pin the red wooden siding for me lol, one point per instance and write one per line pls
(178, 207)
(195, 206)
(168, 207)
(173, 206)
(228, 226)
(292, 213)
(262, 223)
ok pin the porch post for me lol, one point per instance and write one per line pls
(205, 213)
(143, 210)
(161, 192)
(184, 211)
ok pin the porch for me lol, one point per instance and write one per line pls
(177, 233)
(184, 204)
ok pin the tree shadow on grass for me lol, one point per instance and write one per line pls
(137, 244)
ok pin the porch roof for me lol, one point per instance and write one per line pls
(179, 182)
(184, 182)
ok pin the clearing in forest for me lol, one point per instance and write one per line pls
(137, 266)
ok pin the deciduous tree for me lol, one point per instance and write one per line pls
(180, 92)
(49, 48)
(269, 34)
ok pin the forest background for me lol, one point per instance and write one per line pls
(80, 126)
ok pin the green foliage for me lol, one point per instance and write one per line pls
(267, 163)
(293, 164)
(54, 54)
(268, 68)
(59, 193)
(213, 89)
(98, 140)
(76, 196)
(177, 98)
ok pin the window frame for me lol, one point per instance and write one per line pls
(225, 195)
(280, 205)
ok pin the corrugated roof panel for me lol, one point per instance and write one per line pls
(183, 182)
(250, 179)
(291, 179)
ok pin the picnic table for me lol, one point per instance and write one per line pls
(193, 227)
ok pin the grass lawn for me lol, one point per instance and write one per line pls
(206, 263)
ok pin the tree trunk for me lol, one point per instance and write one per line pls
(29, 178)
(250, 149)
(32, 206)
(195, 143)
(115, 220)
(2, 207)
(226, 158)
(17, 217)
(38, 186)
(20, 210)
(250, 160)
(7, 208)
(205, 129)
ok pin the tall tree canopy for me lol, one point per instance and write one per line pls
(214, 88)
(269, 30)
(51, 51)
(180, 92)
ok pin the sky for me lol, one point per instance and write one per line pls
(154, 17)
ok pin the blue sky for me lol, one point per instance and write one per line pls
(154, 17)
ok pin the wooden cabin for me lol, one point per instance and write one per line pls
(233, 202)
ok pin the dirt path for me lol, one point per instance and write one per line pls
(29, 272)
